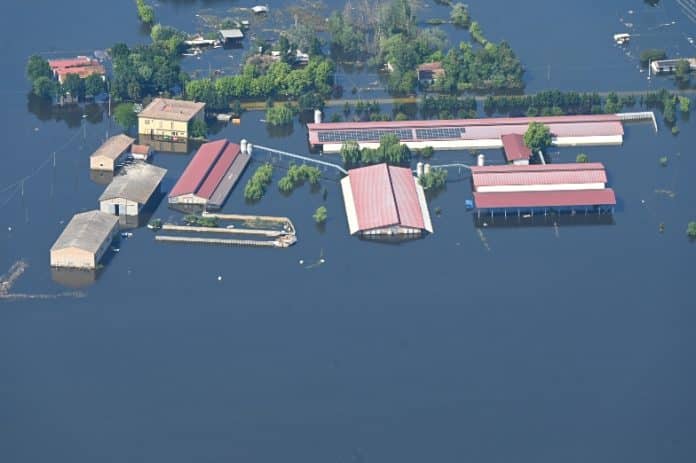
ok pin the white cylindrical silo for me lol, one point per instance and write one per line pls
(419, 169)
(317, 116)
(250, 147)
(243, 145)
(481, 160)
(426, 169)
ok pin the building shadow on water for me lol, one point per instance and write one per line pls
(71, 114)
(75, 278)
(541, 220)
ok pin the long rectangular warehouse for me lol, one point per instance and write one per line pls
(211, 175)
(486, 133)
(503, 189)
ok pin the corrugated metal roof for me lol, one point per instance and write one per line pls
(384, 196)
(114, 147)
(222, 164)
(135, 183)
(527, 199)
(550, 174)
(87, 231)
(140, 149)
(515, 149)
(172, 110)
(490, 128)
(538, 167)
(229, 180)
(197, 170)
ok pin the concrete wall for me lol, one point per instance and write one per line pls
(187, 199)
(104, 163)
(73, 258)
(125, 207)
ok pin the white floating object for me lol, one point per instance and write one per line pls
(9, 228)
(301, 261)
(219, 277)
(322, 260)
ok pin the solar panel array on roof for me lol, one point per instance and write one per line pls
(439, 132)
(334, 136)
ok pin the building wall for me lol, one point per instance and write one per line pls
(520, 162)
(105, 163)
(164, 128)
(125, 207)
(392, 231)
(187, 199)
(552, 187)
(73, 258)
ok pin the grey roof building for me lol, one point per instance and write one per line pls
(130, 191)
(84, 240)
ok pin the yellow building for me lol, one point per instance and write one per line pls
(110, 153)
(169, 118)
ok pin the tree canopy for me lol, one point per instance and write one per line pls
(125, 116)
(537, 137)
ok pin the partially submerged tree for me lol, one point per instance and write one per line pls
(538, 137)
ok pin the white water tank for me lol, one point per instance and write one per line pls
(426, 169)
(317, 116)
(419, 169)
(481, 160)
(243, 145)
(249, 148)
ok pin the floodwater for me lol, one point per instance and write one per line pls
(493, 344)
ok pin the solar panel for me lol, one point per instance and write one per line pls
(333, 136)
(439, 132)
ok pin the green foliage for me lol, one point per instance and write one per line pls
(125, 116)
(426, 153)
(94, 85)
(682, 72)
(651, 54)
(350, 154)
(197, 221)
(675, 130)
(448, 107)
(433, 180)
(347, 40)
(664, 161)
(257, 184)
(145, 12)
(73, 84)
(279, 115)
(297, 175)
(169, 37)
(320, 215)
(390, 150)
(612, 104)
(198, 128)
(460, 15)
(684, 104)
(691, 230)
(537, 137)
(549, 102)
(38, 67)
(144, 70)
(44, 87)
(669, 110)
(477, 34)
(582, 157)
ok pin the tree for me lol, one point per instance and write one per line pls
(145, 12)
(320, 215)
(350, 153)
(651, 54)
(433, 180)
(125, 116)
(279, 115)
(537, 137)
(684, 104)
(691, 230)
(44, 87)
(73, 84)
(582, 157)
(94, 85)
(682, 72)
(198, 129)
(38, 67)
(460, 15)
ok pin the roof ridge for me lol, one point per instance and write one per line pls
(393, 193)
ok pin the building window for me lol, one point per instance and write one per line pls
(147, 121)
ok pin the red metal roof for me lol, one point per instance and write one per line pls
(218, 171)
(199, 167)
(140, 149)
(490, 128)
(82, 66)
(535, 174)
(515, 149)
(526, 199)
(385, 196)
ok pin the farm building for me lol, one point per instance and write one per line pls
(539, 188)
(516, 152)
(110, 153)
(141, 152)
(84, 240)
(603, 129)
(430, 72)
(129, 192)
(382, 200)
(211, 174)
(83, 66)
(169, 118)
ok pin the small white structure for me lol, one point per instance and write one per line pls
(231, 34)
(622, 39)
(129, 192)
(481, 160)
(141, 152)
(317, 116)
(258, 9)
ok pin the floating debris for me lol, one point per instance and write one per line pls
(669, 193)
(483, 239)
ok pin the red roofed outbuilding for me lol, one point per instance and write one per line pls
(382, 200)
